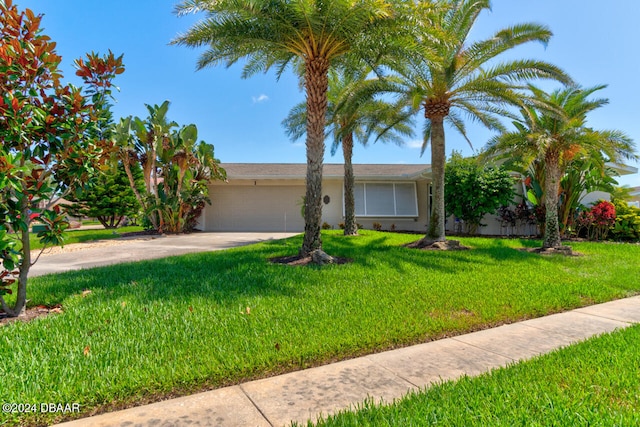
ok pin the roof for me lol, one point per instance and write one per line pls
(622, 169)
(330, 170)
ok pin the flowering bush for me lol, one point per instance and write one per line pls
(598, 220)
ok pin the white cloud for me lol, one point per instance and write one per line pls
(414, 143)
(261, 98)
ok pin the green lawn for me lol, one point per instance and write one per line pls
(80, 236)
(182, 324)
(594, 383)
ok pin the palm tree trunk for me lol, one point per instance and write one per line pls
(350, 227)
(436, 231)
(125, 157)
(551, 187)
(316, 84)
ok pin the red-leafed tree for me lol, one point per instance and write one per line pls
(51, 137)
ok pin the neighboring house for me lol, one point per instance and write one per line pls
(621, 170)
(493, 223)
(268, 197)
(635, 197)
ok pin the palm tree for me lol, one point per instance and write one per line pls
(277, 33)
(555, 140)
(353, 114)
(152, 136)
(456, 77)
(126, 153)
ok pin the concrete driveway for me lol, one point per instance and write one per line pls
(107, 252)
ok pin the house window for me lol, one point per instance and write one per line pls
(385, 199)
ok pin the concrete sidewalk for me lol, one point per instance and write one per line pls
(324, 390)
(107, 252)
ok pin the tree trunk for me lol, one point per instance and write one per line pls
(436, 231)
(350, 227)
(127, 168)
(551, 187)
(25, 265)
(316, 84)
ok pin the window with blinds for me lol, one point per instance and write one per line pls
(386, 199)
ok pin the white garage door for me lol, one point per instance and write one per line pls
(254, 208)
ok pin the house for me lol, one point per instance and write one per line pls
(268, 197)
(635, 197)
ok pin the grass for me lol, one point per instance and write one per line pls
(594, 383)
(81, 236)
(173, 326)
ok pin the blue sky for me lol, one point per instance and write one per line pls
(593, 42)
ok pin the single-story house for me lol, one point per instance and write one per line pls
(268, 197)
(635, 197)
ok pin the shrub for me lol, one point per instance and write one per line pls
(473, 190)
(392, 228)
(627, 225)
(377, 226)
(327, 226)
(598, 220)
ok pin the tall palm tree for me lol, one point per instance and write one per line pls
(353, 114)
(458, 76)
(277, 33)
(555, 140)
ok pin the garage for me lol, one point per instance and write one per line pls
(254, 208)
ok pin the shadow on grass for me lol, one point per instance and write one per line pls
(222, 276)
(227, 277)
(388, 249)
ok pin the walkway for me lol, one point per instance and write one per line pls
(302, 395)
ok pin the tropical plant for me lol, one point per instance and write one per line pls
(316, 35)
(586, 173)
(627, 225)
(556, 139)
(47, 135)
(353, 114)
(176, 169)
(151, 136)
(473, 190)
(597, 220)
(456, 77)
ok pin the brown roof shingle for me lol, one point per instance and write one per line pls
(330, 170)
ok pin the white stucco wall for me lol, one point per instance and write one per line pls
(274, 205)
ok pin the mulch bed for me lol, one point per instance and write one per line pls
(431, 245)
(30, 314)
(561, 250)
(300, 260)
